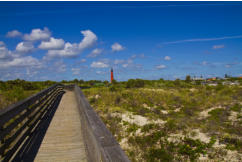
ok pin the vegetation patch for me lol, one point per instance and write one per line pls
(159, 120)
(183, 121)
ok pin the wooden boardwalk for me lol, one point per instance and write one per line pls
(63, 140)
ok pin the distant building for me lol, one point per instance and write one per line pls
(111, 75)
(211, 79)
(198, 79)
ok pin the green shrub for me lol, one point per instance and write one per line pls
(16, 94)
(158, 154)
(132, 128)
(112, 88)
(135, 83)
(92, 100)
(189, 111)
(232, 143)
(236, 107)
(218, 114)
(148, 127)
(170, 125)
(151, 144)
(193, 148)
(188, 78)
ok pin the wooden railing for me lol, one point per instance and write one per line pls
(24, 124)
(100, 143)
(20, 121)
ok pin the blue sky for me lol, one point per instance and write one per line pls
(149, 40)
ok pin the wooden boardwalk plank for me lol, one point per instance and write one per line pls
(63, 140)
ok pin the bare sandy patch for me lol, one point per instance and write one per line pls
(97, 96)
(192, 89)
(177, 109)
(155, 90)
(175, 137)
(233, 116)
(124, 143)
(201, 136)
(164, 111)
(233, 156)
(204, 114)
(203, 158)
(137, 119)
(146, 106)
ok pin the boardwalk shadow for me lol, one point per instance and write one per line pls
(30, 148)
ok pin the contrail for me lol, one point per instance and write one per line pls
(202, 39)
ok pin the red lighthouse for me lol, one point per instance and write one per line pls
(111, 75)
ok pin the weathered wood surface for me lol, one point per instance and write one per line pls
(99, 142)
(63, 140)
(50, 126)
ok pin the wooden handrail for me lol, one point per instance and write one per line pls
(22, 121)
(19, 120)
(99, 142)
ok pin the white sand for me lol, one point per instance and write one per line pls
(233, 116)
(177, 109)
(204, 114)
(137, 119)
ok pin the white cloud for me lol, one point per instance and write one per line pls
(160, 66)
(89, 39)
(30, 72)
(125, 65)
(117, 61)
(204, 63)
(14, 33)
(24, 47)
(54, 67)
(99, 64)
(100, 72)
(21, 62)
(83, 60)
(133, 56)
(38, 34)
(95, 52)
(52, 44)
(4, 52)
(72, 50)
(142, 55)
(18, 66)
(117, 47)
(218, 46)
(167, 58)
(228, 66)
(129, 61)
(60, 66)
(76, 71)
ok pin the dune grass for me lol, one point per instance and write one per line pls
(175, 130)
